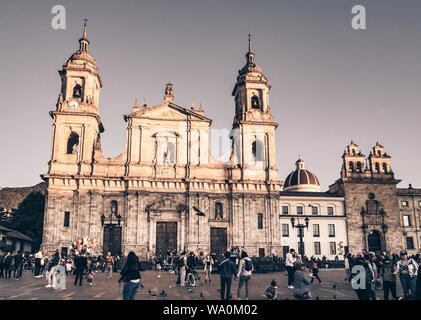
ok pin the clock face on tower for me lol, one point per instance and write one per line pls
(73, 105)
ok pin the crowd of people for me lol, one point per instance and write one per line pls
(367, 272)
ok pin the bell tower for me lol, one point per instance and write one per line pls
(253, 135)
(76, 120)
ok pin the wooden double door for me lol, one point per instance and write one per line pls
(112, 240)
(166, 236)
(218, 241)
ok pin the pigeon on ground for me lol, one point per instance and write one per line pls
(151, 293)
(189, 290)
(334, 297)
(334, 286)
(202, 296)
(163, 294)
(317, 298)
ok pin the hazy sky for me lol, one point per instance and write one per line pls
(330, 83)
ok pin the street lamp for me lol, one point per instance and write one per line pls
(300, 227)
(198, 214)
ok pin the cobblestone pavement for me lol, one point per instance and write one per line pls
(30, 288)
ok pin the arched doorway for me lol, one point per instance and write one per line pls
(374, 241)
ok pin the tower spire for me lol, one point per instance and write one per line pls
(250, 54)
(84, 40)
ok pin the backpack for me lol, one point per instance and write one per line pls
(248, 266)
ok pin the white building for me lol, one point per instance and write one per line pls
(302, 198)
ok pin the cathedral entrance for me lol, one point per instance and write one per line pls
(112, 240)
(374, 241)
(166, 236)
(218, 241)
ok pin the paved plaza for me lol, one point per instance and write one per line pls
(30, 288)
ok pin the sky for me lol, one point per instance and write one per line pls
(330, 83)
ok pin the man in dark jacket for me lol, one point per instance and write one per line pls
(17, 266)
(226, 270)
(81, 263)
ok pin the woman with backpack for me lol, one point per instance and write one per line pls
(245, 269)
(408, 271)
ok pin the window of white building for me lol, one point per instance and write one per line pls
(284, 209)
(332, 246)
(331, 230)
(404, 203)
(314, 210)
(300, 210)
(316, 230)
(330, 211)
(317, 250)
(285, 230)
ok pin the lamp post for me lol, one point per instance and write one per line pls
(300, 227)
(198, 214)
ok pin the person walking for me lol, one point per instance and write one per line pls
(130, 274)
(315, 271)
(362, 289)
(8, 260)
(408, 271)
(90, 276)
(245, 269)
(389, 279)
(289, 264)
(2, 257)
(80, 267)
(226, 271)
(208, 262)
(418, 282)
(301, 282)
(18, 259)
(348, 266)
(182, 265)
(109, 265)
(38, 259)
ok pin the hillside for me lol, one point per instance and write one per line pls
(10, 198)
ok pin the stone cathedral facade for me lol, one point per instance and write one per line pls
(166, 191)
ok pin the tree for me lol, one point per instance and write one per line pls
(29, 217)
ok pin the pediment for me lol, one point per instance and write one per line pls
(168, 111)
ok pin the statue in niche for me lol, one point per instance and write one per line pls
(218, 211)
(114, 208)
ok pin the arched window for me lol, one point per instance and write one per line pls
(77, 91)
(358, 166)
(379, 153)
(255, 104)
(377, 168)
(353, 152)
(257, 150)
(384, 167)
(114, 208)
(219, 212)
(73, 143)
(351, 167)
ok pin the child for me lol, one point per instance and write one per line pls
(90, 276)
(315, 272)
(270, 291)
(68, 267)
